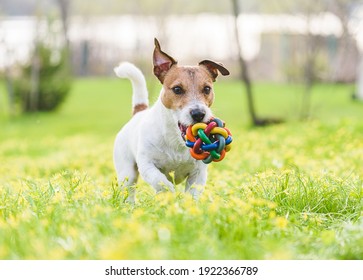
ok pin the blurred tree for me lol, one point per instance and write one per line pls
(245, 77)
(310, 58)
(45, 82)
(33, 95)
(53, 81)
(347, 47)
(311, 49)
(64, 9)
(345, 55)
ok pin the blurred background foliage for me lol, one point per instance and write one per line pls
(282, 41)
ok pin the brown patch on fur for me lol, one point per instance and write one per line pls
(139, 107)
(193, 80)
(214, 67)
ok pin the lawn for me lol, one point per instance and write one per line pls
(290, 191)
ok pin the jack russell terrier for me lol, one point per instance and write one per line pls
(152, 142)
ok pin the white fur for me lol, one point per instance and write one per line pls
(150, 144)
(184, 117)
(130, 71)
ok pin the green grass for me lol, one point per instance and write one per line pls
(291, 191)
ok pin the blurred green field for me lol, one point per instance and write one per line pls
(290, 191)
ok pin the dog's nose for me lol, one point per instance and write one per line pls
(197, 114)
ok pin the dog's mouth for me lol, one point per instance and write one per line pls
(183, 130)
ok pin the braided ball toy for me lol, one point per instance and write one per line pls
(208, 142)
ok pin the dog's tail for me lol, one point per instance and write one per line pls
(140, 100)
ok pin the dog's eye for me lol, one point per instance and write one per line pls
(206, 89)
(178, 90)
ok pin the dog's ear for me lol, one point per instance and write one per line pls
(214, 67)
(162, 62)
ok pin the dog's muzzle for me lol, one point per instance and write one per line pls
(197, 115)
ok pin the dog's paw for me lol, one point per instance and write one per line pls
(196, 191)
(164, 187)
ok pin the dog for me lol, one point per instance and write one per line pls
(152, 143)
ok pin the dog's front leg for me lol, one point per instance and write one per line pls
(196, 181)
(153, 176)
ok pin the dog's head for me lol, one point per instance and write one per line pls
(187, 90)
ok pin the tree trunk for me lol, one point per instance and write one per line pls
(245, 78)
(33, 102)
(64, 8)
(309, 70)
(359, 94)
(64, 12)
(347, 52)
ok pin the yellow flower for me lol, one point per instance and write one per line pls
(281, 222)
(305, 216)
(272, 215)
(194, 211)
